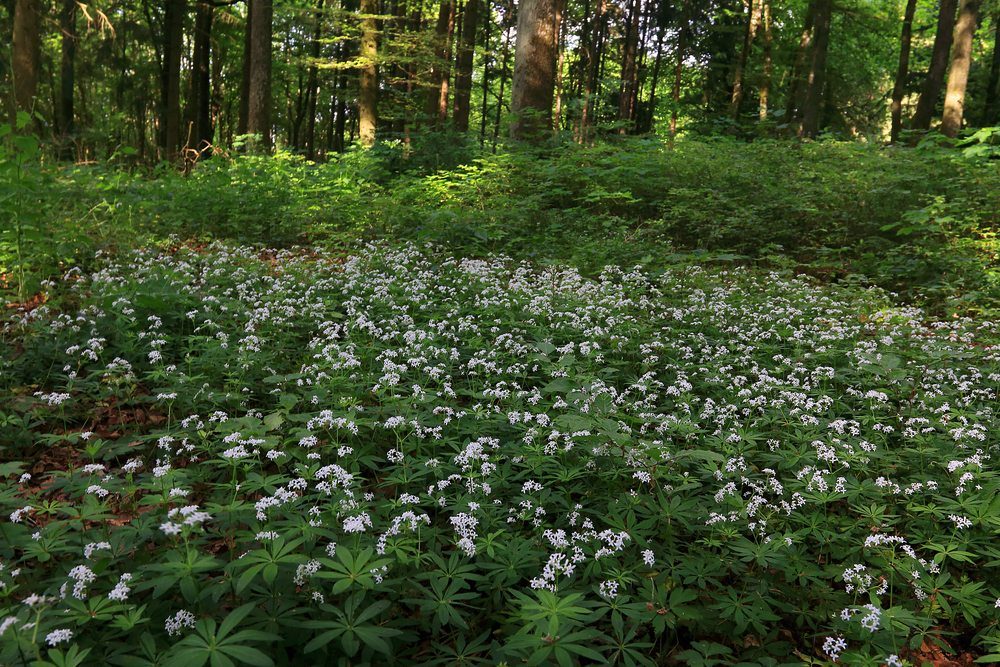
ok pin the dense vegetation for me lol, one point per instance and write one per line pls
(367, 332)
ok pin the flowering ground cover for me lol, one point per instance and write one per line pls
(228, 456)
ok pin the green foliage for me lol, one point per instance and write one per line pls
(233, 455)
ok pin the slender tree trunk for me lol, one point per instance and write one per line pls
(681, 47)
(170, 78)
(487, 59)
(629, 66)
(201, 87)
(765, 84)
(503, 81)
(902, 72)
(588, 71)
(463, 69)
(314, 82)
(241, 126)
(259, 107)
(368, 75)
(534, 70)
(437, 94)
(796, 88)
(26, 53)
(749, 34)
(650, 114)
(67, 70)
(991, 113)
(958, 74)
(560, 54)
(939, 64)
(816, 82)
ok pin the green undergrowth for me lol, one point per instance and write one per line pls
(917, 221)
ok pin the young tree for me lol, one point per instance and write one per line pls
(958, 74)
(463, 67)
(903, 71)
(765, 83)
(259, 94)
(67, 70)
(991, 112)
(534, 70)
(26, 53)
(939, 64)
(368, 75)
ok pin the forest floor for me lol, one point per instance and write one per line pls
(722, 404)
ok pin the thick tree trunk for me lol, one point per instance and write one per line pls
(816, 81)
(765, 83)
(629, 69)
(259, 106)
(749, 34)
(368, 75)
(463, 68)
(534, 70)
(958, 74)
(26, 53)
(902, 72)
(203, 132)
(170, 78)
(939, 64)
(67, 71)
(991, 113)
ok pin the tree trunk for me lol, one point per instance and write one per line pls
(487, 23)
(991, 114)
(675, 95)
(368, 76)
(437, 94)
(816, 81)
(26, 53)
(259, 106)
(241, 126)
(313, 83)
(560, 60)
(629, 71)
(201, 76)
(939, 64)
(796, 88)
(958, 74)
(503, 82)
(590, 57)
(902, 72)
(170, 78)
(463, 69)
(534, 70)
(765, 84)
(753, 21)
(650, 115)
(67, 71)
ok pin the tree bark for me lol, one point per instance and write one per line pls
(991, 113)
(629, 70)
(241, 126)
(939, 64)
(675, 94)
(796, 99)
(902, 72)
(958, 74)
(170, 78)
(503, 82)
(816, 81)
(534, 70)
(67, 71)
(753, 22)
(313, 83)
(259, 105)
(203, 131)
(26, 53)
(765, 84)
(436, 106)
(368, 76)
(487, 23)
(463, 69)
